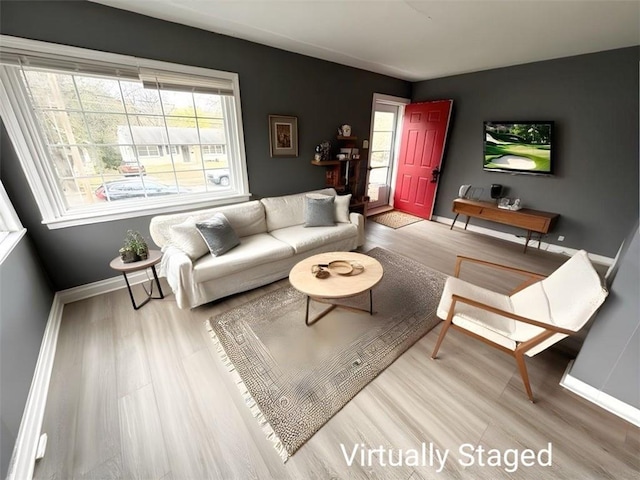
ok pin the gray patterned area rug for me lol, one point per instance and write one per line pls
(294, 378)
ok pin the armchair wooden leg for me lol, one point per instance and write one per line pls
(523, 373)
(443, 332)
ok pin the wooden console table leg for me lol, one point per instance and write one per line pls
(526, 243)
(454, 221)
(467, 222)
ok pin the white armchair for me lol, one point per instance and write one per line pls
(540, 312)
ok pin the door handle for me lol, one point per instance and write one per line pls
(435, 174)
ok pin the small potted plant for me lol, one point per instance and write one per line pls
(127, 254)
(135, 247)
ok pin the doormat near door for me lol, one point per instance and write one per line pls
(294, 378)
(395, 219)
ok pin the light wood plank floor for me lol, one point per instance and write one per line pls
(143, 395)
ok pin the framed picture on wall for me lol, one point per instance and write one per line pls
(283, 136)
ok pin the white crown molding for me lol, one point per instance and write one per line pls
(549, 247)
(600, 398)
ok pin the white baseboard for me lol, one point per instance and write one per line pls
(600, 398)
(22, 462)
(103, 286)
(549, 247)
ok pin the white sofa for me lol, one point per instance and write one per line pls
(273, 239)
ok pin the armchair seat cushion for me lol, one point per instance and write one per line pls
(497, 328)
(455, 286)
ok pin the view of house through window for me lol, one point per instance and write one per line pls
(113, 139)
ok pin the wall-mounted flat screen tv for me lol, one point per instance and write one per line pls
(519, 147)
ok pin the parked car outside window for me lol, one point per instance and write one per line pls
(218, 176)
(134, 188)
(132, 168)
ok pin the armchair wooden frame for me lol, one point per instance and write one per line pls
(521, 347)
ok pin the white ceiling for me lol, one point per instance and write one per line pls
(413, 40)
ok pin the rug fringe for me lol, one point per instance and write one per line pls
(266, 427)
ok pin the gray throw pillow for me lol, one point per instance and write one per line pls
(319, 211)
(218, 234)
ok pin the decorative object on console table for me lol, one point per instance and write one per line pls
(506, 204)
(283, 136)
(496, 191)
(530, 220)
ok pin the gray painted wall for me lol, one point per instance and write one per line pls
(25, 302)
(323, 95)
(610, 356)
(594, 102)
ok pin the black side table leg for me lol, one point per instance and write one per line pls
(133, 301)
(149, 293)
(155, 275)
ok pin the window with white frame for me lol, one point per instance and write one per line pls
(11, 229)
(86, 124)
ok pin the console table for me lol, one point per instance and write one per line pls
(530, 220)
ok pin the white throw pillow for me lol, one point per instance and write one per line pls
(342, 208)
(187, 238)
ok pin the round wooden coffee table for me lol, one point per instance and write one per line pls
(336, 285)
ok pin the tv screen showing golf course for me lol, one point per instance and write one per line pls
(518, 147)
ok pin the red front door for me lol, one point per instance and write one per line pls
(424, 133)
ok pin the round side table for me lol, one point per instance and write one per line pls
(154, 258)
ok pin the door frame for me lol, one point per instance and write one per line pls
(399, 102)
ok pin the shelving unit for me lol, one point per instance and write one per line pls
(344, 175)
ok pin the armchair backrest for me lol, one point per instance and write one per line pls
(575, 292)
(567, 298)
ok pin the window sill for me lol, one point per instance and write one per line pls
(72, 219)
(9, 242)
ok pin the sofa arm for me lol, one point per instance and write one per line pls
(177, 267)
(358, 220)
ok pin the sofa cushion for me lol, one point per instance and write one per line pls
(218, 234)
(304, 239)
(253, 250)
(246, 219)
(319, 210)
(342, 203)
(186, 237)
(288, 210)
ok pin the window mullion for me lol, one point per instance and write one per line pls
(166, 129)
